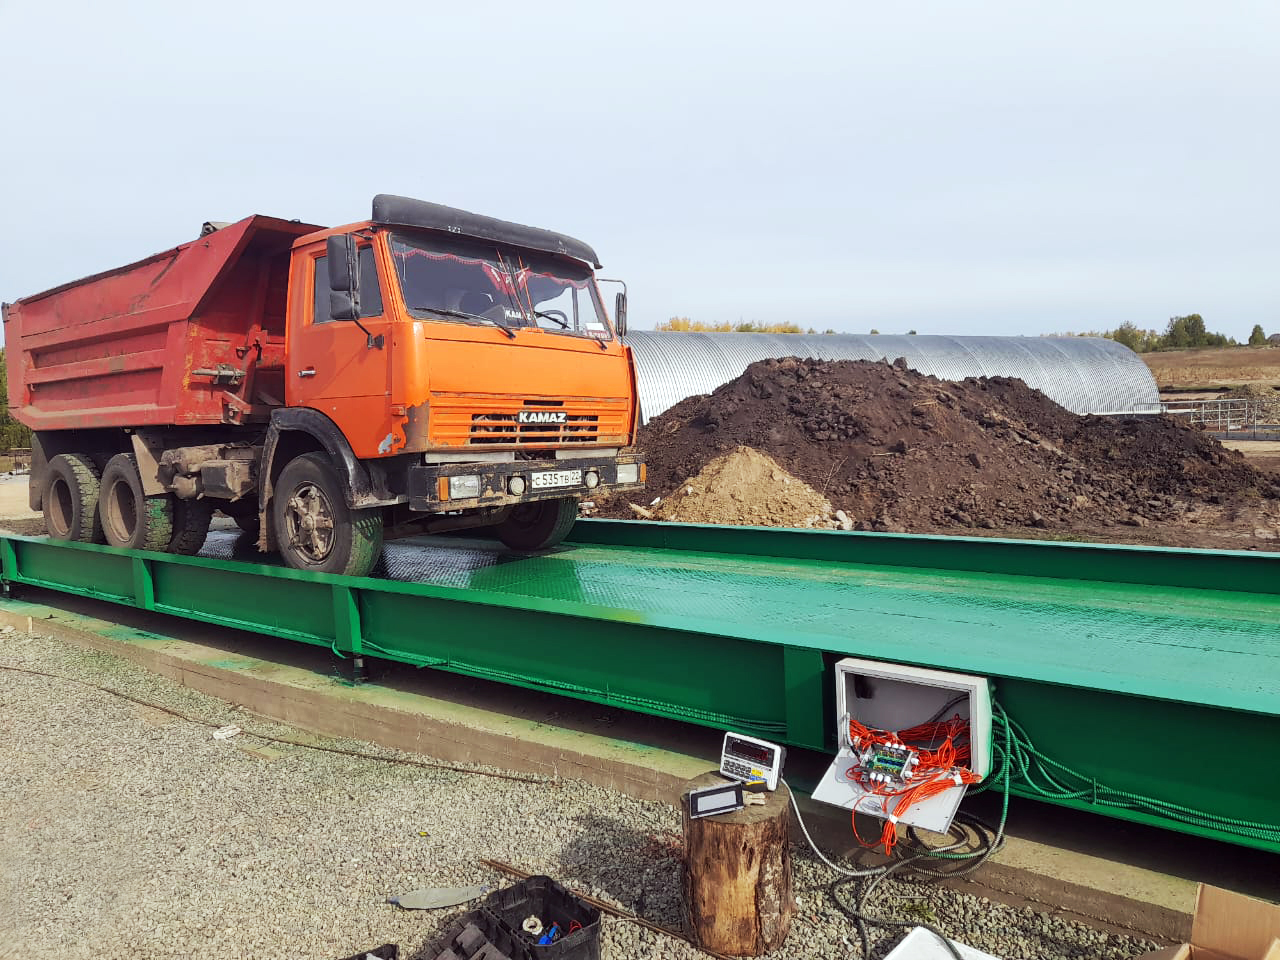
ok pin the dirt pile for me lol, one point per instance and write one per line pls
(898, 450)
(1267, 398)
(746, 487)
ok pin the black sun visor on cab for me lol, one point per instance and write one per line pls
(405, 212)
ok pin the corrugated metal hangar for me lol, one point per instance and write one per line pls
(1083, 374)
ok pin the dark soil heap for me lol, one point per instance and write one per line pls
(898, 450)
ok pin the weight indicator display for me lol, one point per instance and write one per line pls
(748, 759)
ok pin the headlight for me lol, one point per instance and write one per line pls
(515, 486)
(592, 479)
(628, 472)
(464, 487)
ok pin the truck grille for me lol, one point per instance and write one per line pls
(503, 428)
(458, 420)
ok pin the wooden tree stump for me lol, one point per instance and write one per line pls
(737, 874)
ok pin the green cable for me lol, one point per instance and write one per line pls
(1015, 759)
(1043, 776)
(653, 706)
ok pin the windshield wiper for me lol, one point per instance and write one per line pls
(446, 312)
(563, 325)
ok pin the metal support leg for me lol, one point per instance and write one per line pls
(352, 669)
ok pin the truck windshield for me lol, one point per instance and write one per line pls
(467, 281)
(561, 297)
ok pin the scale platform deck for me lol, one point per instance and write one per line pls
(1123, 662)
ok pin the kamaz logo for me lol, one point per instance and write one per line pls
(541, 416)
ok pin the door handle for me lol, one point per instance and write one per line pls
(308, 372)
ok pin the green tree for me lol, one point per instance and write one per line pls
(1129, 335)
(12, 433)
(1257, 336)
(875, 332)
(1185, 331)
(911, 333)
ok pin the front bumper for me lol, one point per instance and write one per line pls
(428, 486)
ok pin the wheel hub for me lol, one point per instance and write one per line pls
(310, 519)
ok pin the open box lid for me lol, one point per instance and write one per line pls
(1228, 926)
(838, 789)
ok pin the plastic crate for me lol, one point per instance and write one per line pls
(551, 903)
(488, 924)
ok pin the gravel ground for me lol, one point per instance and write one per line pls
(126, 832)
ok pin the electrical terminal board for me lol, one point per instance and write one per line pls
(888, 763)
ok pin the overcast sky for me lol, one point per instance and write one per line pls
(992, 167)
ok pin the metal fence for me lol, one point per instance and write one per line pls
(1236, 418)
(1231, 415)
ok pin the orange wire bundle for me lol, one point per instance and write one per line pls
(937, 768)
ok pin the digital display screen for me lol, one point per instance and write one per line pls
(757, 754)
(713, 800)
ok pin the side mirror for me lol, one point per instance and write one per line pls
(340, 252)
(341, 306)
(620, 312)
(344, 293)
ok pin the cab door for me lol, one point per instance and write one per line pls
(331, 366)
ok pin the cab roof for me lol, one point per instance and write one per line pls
(390, 210)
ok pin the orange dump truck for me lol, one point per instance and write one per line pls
(426, 370)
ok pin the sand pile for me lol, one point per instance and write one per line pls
(746, 487)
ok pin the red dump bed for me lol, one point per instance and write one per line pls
(120, 349)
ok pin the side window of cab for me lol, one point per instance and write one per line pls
(320, 292)
(370, 290)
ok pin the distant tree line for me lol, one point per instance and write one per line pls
(1180, 333)
(685, 325)
(12, 433)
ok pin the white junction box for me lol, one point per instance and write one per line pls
(893, 697)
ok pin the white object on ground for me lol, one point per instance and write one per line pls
(920, 944)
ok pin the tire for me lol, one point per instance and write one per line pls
(190, 526)
(70, 499)
(250, 524)
(538, 525)
(244, 514)
(130, 519)
(308, 500)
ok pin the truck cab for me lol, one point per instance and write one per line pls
(426, 370)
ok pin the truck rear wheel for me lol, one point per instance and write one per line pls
(71, 499)
(315, 528)
(131, 519)
(538, 525)
(190, 526)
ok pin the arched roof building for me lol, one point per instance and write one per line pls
(1083, 374)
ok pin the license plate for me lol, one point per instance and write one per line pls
(556, 478)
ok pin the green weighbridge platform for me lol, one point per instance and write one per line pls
(1147, 679)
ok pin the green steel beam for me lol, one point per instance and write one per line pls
(1139, 667)
(1237, 570)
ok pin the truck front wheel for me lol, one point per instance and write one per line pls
(538, 525)
(71, 499)
(315, 528)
